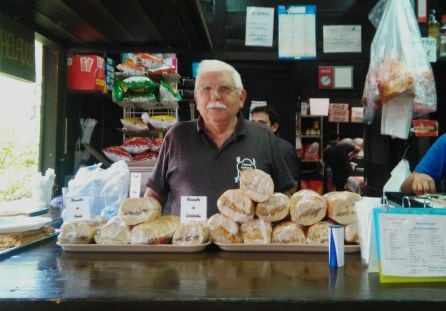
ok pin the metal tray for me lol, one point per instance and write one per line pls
(157, 248)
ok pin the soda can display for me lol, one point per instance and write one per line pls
(336, 246)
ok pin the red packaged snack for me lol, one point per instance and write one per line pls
(156, 144)
(116, 153)
(136, 145)
(146, 155)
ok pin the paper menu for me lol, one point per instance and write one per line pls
(411, 244)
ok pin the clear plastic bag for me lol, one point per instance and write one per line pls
(398, 63)
(106, 187)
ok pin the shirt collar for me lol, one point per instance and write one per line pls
(240, 129)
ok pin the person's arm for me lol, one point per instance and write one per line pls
(419, 184)
(150, 193)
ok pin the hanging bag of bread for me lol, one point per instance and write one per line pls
(400, 78)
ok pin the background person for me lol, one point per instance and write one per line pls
(430, 170)
(268, 116)
(204, 157)
(337, 156)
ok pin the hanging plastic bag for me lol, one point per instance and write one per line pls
(398, 63)
(398, 175)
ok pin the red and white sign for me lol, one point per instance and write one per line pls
(326, 77)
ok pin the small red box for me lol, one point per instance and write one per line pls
(86, 72)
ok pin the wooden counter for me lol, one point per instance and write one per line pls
(45, 277)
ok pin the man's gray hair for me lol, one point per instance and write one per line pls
(213, 65)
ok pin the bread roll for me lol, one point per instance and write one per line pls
(341, 206)
(223, 229)
(234, 204)
(79, 232)
(307, 207)
(192, 233)
(289, 232)
(134, 211)
(274, 209)
(318, 233)
(158, 231)
(114, 232)
(256, 184)
(256, 231)
(351, 234)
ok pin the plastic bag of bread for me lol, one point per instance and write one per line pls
(134, 211)
(235, 204)
(256, 231)
(158, 231)
(288, 232)
(398, 63)
(256, 184)
(341, 206)
(191, 233)
(274, 209)
(114, 232)
(223, 229)
(80, 232)
(307, 207)
(318, 233)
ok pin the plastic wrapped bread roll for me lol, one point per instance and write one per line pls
(223, 229)
(80, 232)
(158, 231)
(236, 205)
(318, 233)
(307, 207)
(351, 234)
(341, 206)
(274, 209)
(134, 211)
(256, 184)
(288, 232)
(256, 231)
(192, 233)
(114, 232)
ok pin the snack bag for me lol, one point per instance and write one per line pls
(398, 64)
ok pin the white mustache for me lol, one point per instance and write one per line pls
(216, 105)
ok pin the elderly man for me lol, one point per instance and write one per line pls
(204, 157)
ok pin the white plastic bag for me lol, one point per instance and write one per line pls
(398, 63)
(399, 174)
(106, 187)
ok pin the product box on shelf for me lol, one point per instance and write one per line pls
(86, 72)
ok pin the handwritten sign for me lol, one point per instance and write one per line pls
(430, 46)
(338, 113)
(193, 208)
(77, 208)
(259, 26)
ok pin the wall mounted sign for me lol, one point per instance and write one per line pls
(335, 77)
(342, 39)
(297, 32)
(259, 26)
(16, 49)
(338, 113)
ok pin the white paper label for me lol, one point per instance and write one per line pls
(193, 208)
(77, 208)
(135, 185)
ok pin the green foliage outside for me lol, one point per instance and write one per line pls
(18, 163)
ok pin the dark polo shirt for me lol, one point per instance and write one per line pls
(190, 164)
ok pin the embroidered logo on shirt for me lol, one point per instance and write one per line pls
(242, 164)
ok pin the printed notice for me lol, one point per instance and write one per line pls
(297, 32)
(412, 245)
(259, 26)
(342, 39)
(193, 208)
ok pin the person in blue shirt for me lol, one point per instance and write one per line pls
(429, 171)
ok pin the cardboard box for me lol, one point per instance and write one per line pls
(86, 72)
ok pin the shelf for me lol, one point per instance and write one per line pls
(311, 136)
(311, 161)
